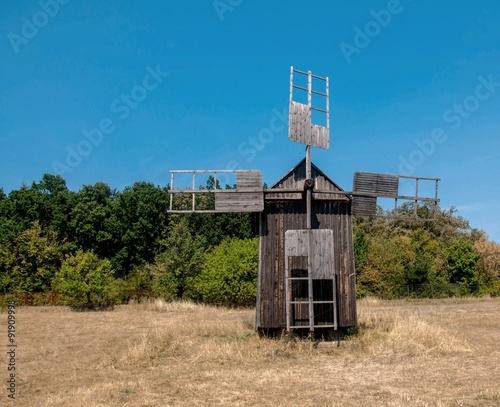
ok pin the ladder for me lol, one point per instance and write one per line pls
(310, 280)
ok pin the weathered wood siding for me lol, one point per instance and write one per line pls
(248, 196)
(281, 215)
(364, 205)
(336, 215)
(379, 184)
(303, 131)
(295, 178)
(248, 180)
(372, 183)
(321, 245)
(235, 201)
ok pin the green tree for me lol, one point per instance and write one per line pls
(489, 263)
(21, 208)
(175, 269)
(93, 224)
(387, 263)
(229, 274)
(85, 281)
(56, 203)
(141, 215)
(30, 261)
(462, 263)
(214, 227)
(361, 247)
(424, 249)
(49, 202)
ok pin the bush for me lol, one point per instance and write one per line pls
(29, 262)
(462, 263)
(229, 275)
(494, 290)
(174, 271)
(136, 286)
(85, 281)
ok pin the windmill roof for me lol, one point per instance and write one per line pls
(300, 169)
(292, 185)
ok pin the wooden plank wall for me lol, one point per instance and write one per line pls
(336, 215)
(322, 250)
(295, 180)
(324, 184)
(280, 216)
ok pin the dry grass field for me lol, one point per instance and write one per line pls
(407, 353)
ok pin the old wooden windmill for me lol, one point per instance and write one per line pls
(306, 276)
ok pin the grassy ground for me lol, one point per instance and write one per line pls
(418, 353)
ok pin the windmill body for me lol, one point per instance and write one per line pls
(306, 277)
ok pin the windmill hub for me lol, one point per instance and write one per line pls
(309, 184)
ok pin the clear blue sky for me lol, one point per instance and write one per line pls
(159, 85)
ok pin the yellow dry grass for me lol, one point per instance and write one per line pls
(406, 353)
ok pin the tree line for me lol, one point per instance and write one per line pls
(100, 246)
(438, 258)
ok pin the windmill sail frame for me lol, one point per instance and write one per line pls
(248, 196)
(306, 277)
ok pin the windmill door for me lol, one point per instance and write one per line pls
(310, 279)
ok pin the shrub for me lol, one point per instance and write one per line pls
(174, 271)
(135, 286)
(29, 262)
(229, 275)
(85, 281)
(462, 263)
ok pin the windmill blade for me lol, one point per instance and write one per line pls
(248, 196)
(368, 186)
(379, 184)
(302, 130)
(301, 126)
(364, 205)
